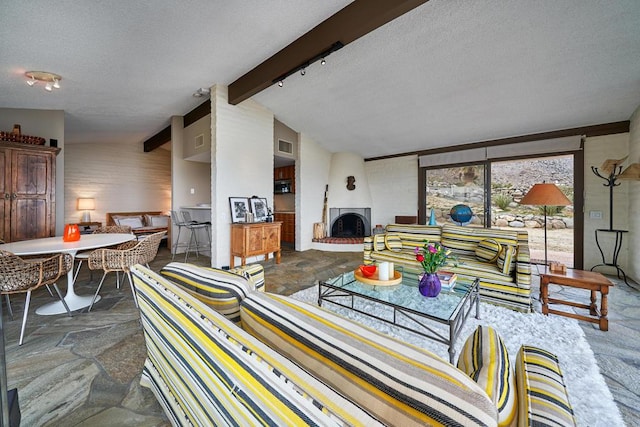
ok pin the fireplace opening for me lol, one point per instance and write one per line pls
(348, 225)
(349, 222)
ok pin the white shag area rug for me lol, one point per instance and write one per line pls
(589, 395)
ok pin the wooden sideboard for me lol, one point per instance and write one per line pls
(255, 238)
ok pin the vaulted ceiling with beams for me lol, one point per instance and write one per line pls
(444, 73)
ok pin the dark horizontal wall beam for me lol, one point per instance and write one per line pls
(197, 113)
(164, 135)
(352, 22)
(158, 139)
(589, 131)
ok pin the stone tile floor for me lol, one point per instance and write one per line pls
(85, 370)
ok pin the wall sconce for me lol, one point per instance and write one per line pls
(86, 205)
(51, 80)
(632, 172)
(611, 171)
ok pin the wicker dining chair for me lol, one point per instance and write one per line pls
(24, 276)
(123, 258)
(114, 229)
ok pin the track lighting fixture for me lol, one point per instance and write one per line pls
(52, 80)
(303, 67)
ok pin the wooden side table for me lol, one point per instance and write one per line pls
(592, 281)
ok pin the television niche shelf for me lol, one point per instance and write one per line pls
(616, 251)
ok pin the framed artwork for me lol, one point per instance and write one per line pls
(239, 206)
(259, 208)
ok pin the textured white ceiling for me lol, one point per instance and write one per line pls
(446, 73)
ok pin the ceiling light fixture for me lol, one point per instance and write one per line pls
(52, 80)
(302, 67)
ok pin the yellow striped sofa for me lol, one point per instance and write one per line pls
(288, 363)
(508, 286)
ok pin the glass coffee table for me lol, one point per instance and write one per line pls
(402, 305)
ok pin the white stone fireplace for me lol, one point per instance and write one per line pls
(348, 187)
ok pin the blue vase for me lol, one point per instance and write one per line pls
(432, 218)
(430, 285)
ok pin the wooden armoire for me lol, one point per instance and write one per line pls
(27, 191)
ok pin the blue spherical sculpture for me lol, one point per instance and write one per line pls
(461, 214)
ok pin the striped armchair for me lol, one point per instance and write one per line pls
(499, 258)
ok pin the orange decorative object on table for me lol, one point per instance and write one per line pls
(368, 270)
(71, 233)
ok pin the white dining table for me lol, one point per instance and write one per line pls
(55, 245)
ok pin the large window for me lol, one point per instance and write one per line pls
(492, 189)
(450, 187)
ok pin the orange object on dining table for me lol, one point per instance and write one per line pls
(71, 233)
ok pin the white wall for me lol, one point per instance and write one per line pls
(201, 127)
(596, 151)
(187, 175)
(120, 176)
(633, 260)
(241, 161)
(344, 165)
(48, 124)
(394, 188)
(312, 176)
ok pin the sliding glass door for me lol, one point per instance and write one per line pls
(511, 180)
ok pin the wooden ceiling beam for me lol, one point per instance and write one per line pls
(164, 135)
(588, 131)
(350, 23)
(158, 139)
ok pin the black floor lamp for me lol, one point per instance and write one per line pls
(545, 195)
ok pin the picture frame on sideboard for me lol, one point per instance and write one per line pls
(239, 206)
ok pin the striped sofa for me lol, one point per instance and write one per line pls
(499, 258)
(285, 362)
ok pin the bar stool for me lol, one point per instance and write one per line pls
(180, 224)
(193, 227)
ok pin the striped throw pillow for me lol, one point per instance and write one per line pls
(484, 358)
(488, 250)
(378, 243)
(254, 273)
(221, 290)
(393, 242)
(507, 259)
(542, 395)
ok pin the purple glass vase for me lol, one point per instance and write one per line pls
(429, 285)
